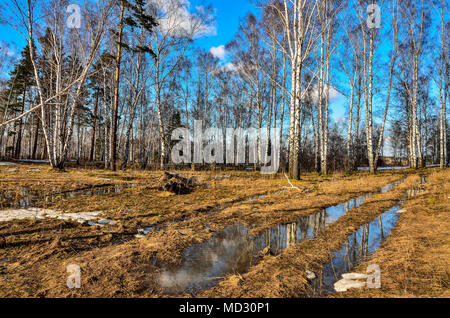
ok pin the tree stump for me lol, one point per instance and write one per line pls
(177, 184)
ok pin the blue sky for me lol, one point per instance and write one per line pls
(7, 33)
(228, 13)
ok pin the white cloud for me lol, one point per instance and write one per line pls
(227, 67)
(200, 9)
(5, 48)
(230, 67)
(177, 19)
(218, 52)
(332, 91)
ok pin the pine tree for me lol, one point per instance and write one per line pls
(138, 18)
(21, 79)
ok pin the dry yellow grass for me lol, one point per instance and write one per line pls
(415, 259)
(39, 251)
(284, 275)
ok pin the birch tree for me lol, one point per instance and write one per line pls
(84, 44)
(177, 28)
(443, 70)
(415, 20)
(297, 18)
(394, 9)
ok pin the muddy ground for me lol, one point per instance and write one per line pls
(152, 229)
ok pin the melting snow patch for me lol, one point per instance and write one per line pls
(37, 213)
(349, 276)
(344, 284)
(310, 275)
(350, 280)
(8, 164)
(145, 230)
(105, 221)
(221, 177)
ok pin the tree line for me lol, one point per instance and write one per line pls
(114, 89)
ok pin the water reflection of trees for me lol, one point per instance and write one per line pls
(285, 235)
(355, 250)
(234, 250)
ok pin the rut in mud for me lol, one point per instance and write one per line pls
(144, 231)
(234, 250)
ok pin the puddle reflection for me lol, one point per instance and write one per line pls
(25, 197)
(364, 242)
(361, 244)
(234, 250)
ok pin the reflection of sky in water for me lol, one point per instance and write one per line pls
(233, 250)
(365, 241)
(227, 252)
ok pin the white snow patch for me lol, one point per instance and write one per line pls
(310, 275)
(349, 276)
(350, 280)
(8, 164)
(345, 284)
(38, 213)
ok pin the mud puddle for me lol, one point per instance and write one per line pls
(359, 246)
(234, 250)
(25, 197)
(18, 206)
